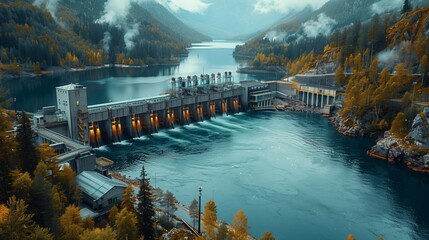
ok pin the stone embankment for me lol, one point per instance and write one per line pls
(412, 151)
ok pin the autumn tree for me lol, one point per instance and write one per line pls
(128, 199)
(67, 181)
(125, 225)
(71, 223)
(399, 128)
(267, 236)
(145, 210)
(18, 224)
(106, 233)
(193, 211)
(21, 185)
(222, 232)
(340, 77)
(240, 226)
(210, 219)
(350, 237)
(112, 215)
(26, 152)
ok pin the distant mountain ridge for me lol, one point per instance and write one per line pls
(75, 34)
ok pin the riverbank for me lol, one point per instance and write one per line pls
(52, 70)
(408, 151)
(181, 207)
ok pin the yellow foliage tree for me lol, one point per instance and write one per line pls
(71, 223)
(267, 236)
(210, 219)
(240, 226)
(399, 127)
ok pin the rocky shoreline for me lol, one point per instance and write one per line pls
(411, 151)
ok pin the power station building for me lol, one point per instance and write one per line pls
(72, 102)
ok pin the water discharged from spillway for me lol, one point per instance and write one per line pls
(291, 173)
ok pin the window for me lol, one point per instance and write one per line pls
(77, 103)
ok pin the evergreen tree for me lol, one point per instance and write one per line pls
(27, 154)
(406, 7)
(169, 203)
(210, 219)
(41, 203)
(193, 211)
(145, 210)
(7, 153)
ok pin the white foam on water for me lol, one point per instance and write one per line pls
(166, 135)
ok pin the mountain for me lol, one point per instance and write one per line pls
(310, 30)
(226, 19)
(78, 33)
(165, 17)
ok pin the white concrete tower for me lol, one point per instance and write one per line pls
(72, 101)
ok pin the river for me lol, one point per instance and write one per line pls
(291, 173)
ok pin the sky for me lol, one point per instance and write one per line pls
(258, 6)
(222, 19)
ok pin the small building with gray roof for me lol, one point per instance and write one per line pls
(99, 191)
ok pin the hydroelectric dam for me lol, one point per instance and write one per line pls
(190, 99)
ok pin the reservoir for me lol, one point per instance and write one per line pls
(291, 173)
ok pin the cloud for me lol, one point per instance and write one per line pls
(130, 33)
(193, 6)
(323, 26)
(51, 6)
(115, 12)
(106, 41)
(386, 6)
(275, 36)
(284, 6)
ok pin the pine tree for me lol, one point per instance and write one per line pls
(41, 199)
(406, 7)
(27, 154)
(145, 210)
(169, 203)
(193, 211)
(210, 219)
(7, 154)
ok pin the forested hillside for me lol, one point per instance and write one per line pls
(308, 32)
(82, 33)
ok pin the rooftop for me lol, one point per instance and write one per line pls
(96, 185)
(71, 86)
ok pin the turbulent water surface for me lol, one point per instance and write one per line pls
(291, 173)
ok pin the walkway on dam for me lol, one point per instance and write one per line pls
(75, 148)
